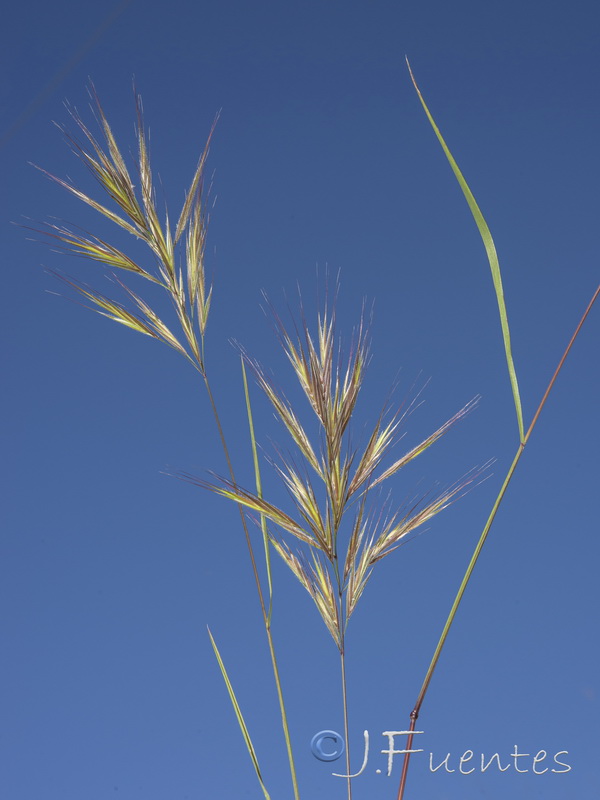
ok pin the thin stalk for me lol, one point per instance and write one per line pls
(231, 473)
(284, 720)
(342, 631)
(409, 743)
(263, 522)
(417, 707)
(345, 702)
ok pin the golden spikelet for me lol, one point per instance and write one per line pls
(189, 296)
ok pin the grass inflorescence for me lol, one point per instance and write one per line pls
(339, 527)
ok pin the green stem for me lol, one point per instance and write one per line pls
(284, 720)
(417, 707)
(342, 632)
(345, 701)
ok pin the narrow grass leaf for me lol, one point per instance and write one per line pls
(492, 255)
(263, 522)
(240, 718)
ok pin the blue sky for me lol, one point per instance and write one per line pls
(322, 159)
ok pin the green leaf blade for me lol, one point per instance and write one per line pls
(263, 522)
(239, 716)
(492, 255)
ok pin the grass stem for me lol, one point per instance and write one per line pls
(266, 616)
(346, 726)
(417, 707)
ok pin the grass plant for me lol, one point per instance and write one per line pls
(524, 435)
(337, 515)
(338, 527)
(186, 288)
